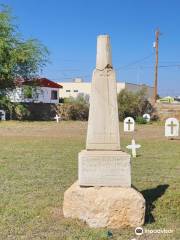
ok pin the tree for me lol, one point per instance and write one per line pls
(6, 105)
(19, 58)
(133, 104)
(75, 108)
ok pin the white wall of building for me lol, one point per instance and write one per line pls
(41, 94)
(72, 89)
(120, 86)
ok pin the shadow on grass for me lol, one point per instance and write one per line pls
(151, 195)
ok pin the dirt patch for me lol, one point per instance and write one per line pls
(72, 129)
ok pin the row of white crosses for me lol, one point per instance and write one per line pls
(129, 123)
(129, 126)
(171, 130)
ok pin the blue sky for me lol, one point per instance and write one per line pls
(69, 29)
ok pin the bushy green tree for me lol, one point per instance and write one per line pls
(75, 108)
(133, 104)
(7, 106)
(21, 112)
(19, 58)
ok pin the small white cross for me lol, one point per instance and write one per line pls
(133, 147)
(57, 118)
(129, 124)
(147, 117)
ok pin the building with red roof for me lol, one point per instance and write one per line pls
(39, 90)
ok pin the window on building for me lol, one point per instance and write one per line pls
(67, 90)
(54, 95)
(75, 90)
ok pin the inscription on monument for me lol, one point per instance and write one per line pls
(104, 170)
(102, 163)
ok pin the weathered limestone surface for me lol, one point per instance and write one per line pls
(103, 123)
(102, 163)
(103, 55)
(104, 168)
(112, 207)
(103, 196)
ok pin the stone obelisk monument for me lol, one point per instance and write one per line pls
(103, 196)
(102, 163)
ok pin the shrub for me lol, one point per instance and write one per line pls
(75, 108)
(7, 106)
(27, 111)
(133, 104)
(78, 112)
(141, 120)
(155, 117)
(21, 112)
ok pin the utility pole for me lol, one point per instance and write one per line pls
(156, 65)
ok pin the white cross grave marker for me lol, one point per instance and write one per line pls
(147, 117)
(57, 118)
(129, 124)
(172, 127)
(133, 147)
(2, 115)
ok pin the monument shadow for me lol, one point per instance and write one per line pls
(151, 195)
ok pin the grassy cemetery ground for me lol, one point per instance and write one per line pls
(38, 162)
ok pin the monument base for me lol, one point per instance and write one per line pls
(104, 168)
(112, 207)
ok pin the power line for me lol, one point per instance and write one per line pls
(167, 66)
(135, 62)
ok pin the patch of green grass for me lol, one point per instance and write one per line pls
(38, 162)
